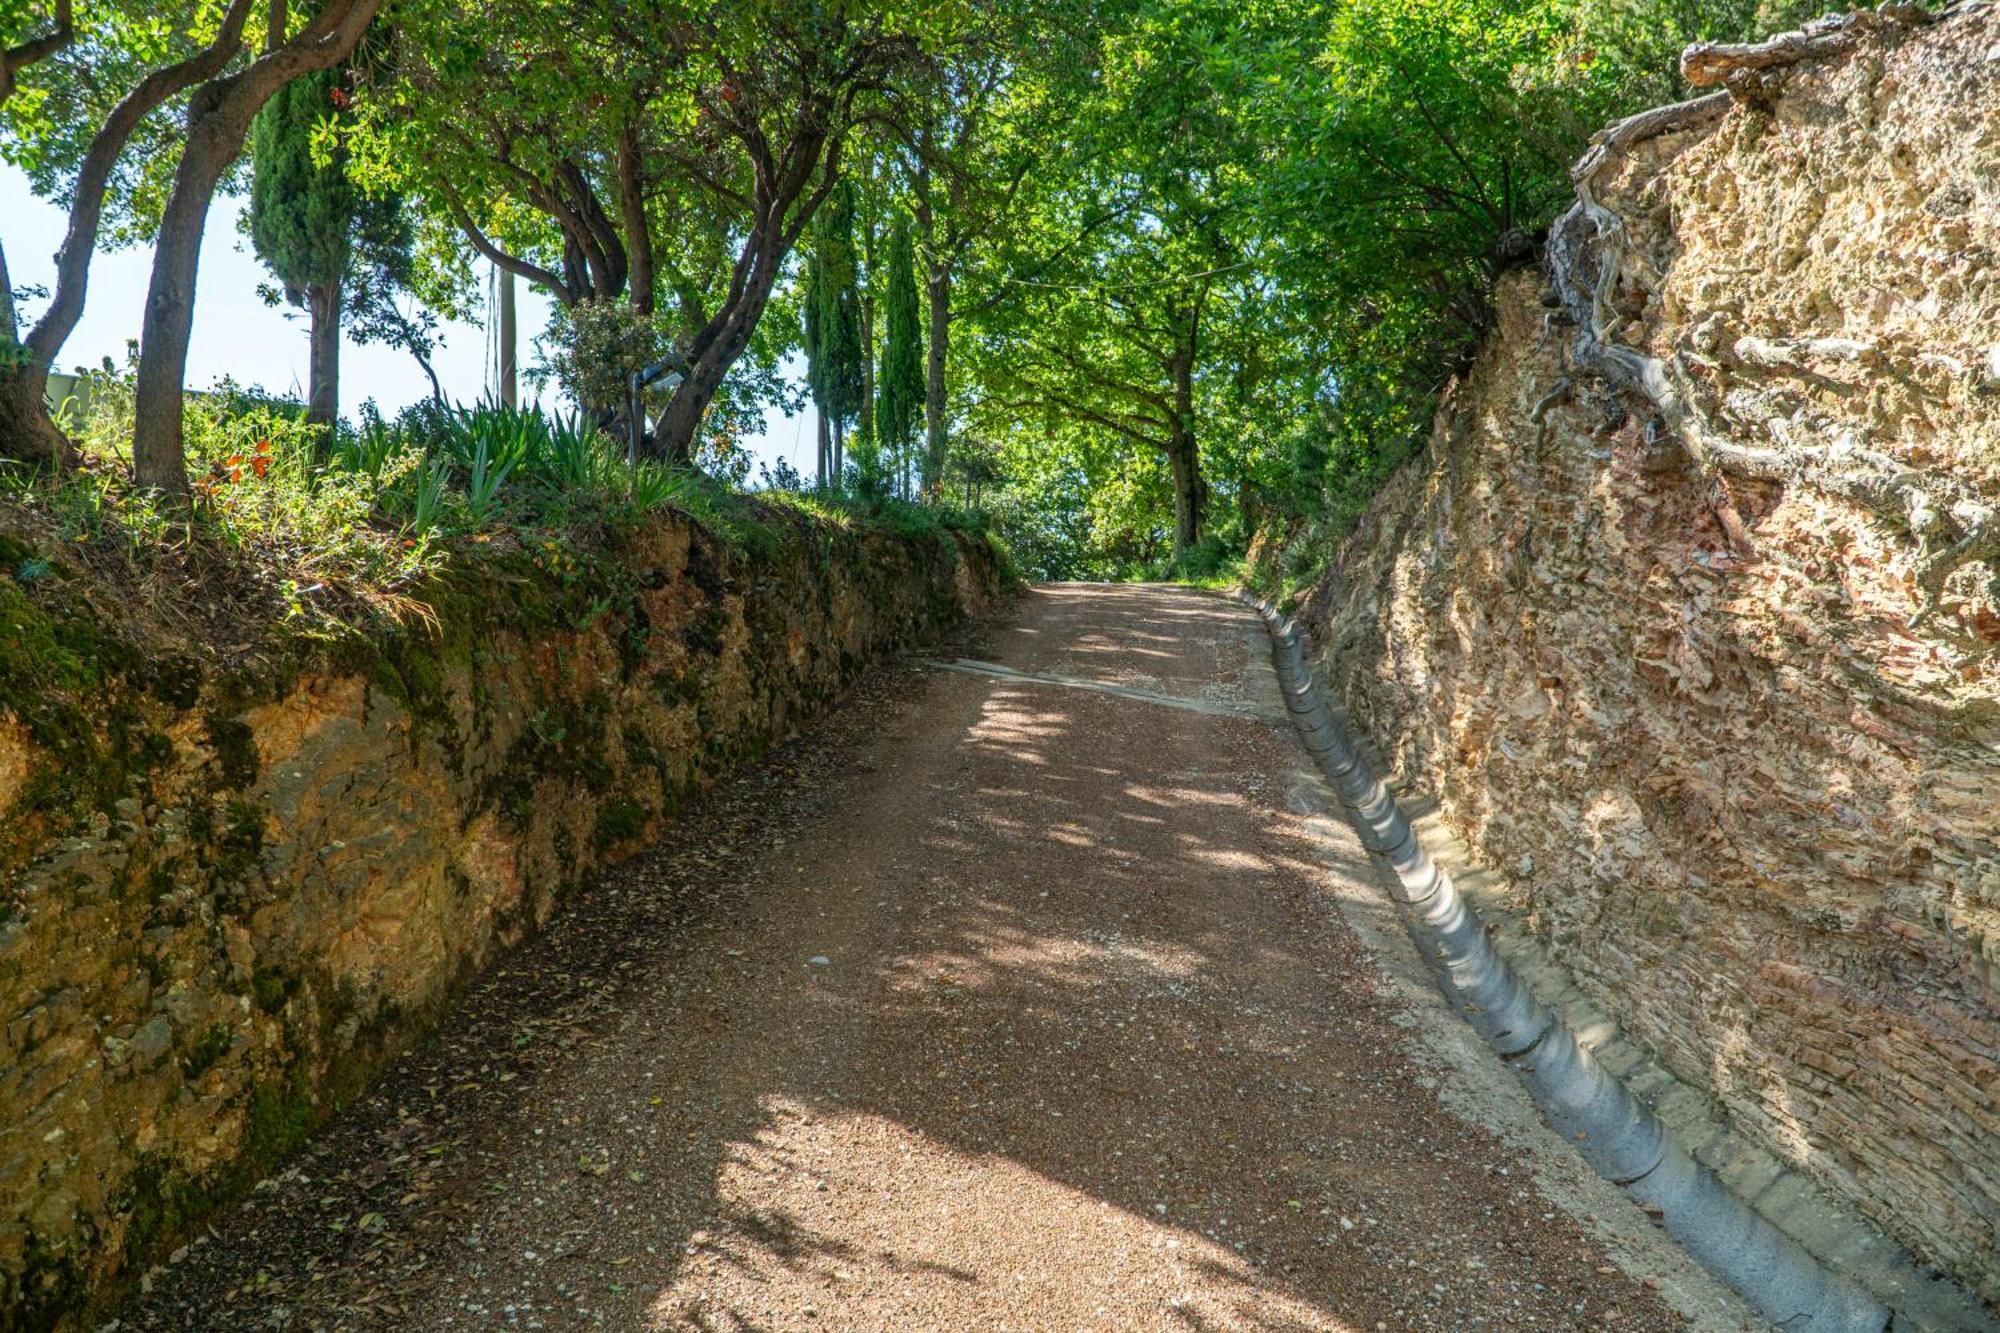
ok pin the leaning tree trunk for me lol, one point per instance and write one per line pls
(717, 347)
(323, 402)
(722, 341)
(674, 433)
(159, 450)
(218, 118)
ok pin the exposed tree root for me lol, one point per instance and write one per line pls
(1706, 64)
(1615, 138)
(1587, 248)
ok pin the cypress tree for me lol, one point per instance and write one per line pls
(833, 324)
(302, 220)
(900, 400)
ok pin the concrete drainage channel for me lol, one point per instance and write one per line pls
(1618, 1137)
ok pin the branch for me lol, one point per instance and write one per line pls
(17, 58)
(1082, 413)
(534, 273)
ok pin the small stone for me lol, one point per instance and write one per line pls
(821, 960)
(151, 1041)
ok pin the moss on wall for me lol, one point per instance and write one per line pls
(261, 872)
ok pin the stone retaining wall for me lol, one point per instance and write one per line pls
(1711, 798)
(233, 882)
(1745, 790)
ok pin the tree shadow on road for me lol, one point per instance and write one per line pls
(1089, 1032)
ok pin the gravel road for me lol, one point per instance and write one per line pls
(992, 1004)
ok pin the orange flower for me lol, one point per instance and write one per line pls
(235, 465)
(262, 462)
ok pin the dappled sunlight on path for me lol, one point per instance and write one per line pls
(1035, 1017)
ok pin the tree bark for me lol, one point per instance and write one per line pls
(26, 432)
(1183, 454)
(784, 209)
(937, 287)
(867, 329)
(937, 291)
(218, 118)
(10, 323)
(323, 377)
(681, 421)
(632, 208)
(1190, 492)
(510, 339)
(823, 459)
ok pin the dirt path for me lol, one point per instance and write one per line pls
(994, 1004)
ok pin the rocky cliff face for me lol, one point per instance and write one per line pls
(231, 885)
(1690, 614)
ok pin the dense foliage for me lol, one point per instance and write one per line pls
(1148, 281)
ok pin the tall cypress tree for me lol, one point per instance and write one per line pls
(900, 398)
(302, 220)
(833, 324)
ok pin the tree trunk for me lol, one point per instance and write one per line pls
(868, 330)
(678, 425)
(784, 208)
(218, 118)
(1190, 493)
(26, 432)
(159, 448)
(722, 341)
(1183, 454)
(510, 337)
(632, 212)
(10, 323)
(823, 462)
(937, 284)
(323, 401)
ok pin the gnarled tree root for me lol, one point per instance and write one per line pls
(1706, 64)
(1587, 247)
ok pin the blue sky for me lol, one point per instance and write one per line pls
(236, 334)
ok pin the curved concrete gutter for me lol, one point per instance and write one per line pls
(1618, 1136)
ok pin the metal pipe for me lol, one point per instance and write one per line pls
(672, 369)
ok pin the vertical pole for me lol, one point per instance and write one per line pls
(632, 422)
(509, 335)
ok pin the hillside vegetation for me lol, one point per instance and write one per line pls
(1145, 282)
